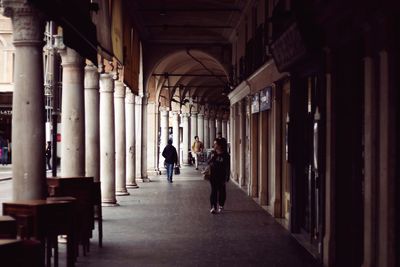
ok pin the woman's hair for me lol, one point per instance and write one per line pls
(221, 142)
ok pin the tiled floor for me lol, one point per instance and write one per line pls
(162, 224)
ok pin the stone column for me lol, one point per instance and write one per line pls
(175, 133)
(92, 129)
(144, 130)
(72, 115)
(151, 124)
(242, 136)
(193, 127)
(224, 128)
(185, 139)
(211, 125)
(164, 117)
(218, 120)
(28, 130)
(206, 133)
(200, 127)
(130, 148)
(138, 137)
(107, 143)
(120, 139)
(228, 131)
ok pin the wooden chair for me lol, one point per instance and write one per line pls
(8, 227)
(80, 188)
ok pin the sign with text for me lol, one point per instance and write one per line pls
(6, 111)
(288, 48)
(255, 103)
(265, 98)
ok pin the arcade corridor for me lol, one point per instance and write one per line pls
(303, 96)
(169, 225)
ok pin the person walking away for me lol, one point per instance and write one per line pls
(48, 155)
(220, 173)
(197, 148)
(5, 152)
(171, 158)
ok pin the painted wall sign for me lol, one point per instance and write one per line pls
(288, 48)
(5, 111)
(255, 103)
(266, 98)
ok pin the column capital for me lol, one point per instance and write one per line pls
(119, 89)
(138, 100)
(185, 115)
(129, 96)
(164, 112)
(106, 83)
(91, 81)
(70, 58)
(200, 115)
(27, 21)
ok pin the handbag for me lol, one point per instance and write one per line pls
(206, 173)
(177, 170)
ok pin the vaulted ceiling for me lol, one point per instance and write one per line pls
(189, 41)
(186, 21)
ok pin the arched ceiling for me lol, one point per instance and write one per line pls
(190, 76)
(189, 73)
(200, 21)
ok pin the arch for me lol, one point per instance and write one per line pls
(195, 62)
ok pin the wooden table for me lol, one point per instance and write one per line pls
(80, 188)
(43, 220)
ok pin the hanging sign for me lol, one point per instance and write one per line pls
(265, 98)
(255, 103)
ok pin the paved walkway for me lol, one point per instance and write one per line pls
(162, 224)
(5, 172)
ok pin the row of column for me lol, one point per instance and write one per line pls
(98, 119)
(206, 128)
(117, 128)
(193, 125)
(109, 115)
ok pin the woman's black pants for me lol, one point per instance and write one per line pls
(218, 192)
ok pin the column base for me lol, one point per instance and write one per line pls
(146, 180)
(122, 193)
(109, 204)
(132, 186)
(153, 173)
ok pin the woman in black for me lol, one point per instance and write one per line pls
(220, 172)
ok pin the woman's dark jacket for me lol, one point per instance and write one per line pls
(220, 167)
